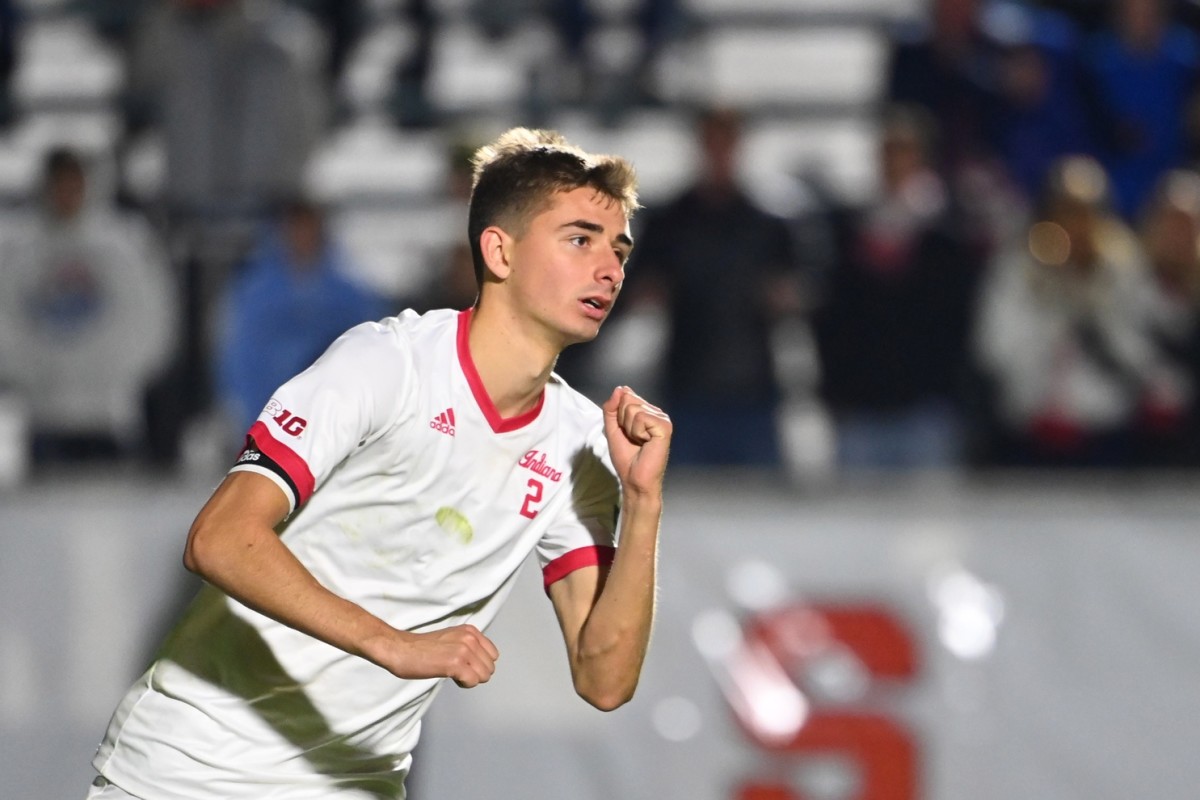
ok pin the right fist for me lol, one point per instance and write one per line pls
(461, 653)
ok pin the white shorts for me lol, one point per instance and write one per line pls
(103, 790)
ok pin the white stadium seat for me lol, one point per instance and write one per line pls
(62, 61)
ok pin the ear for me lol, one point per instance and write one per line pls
(496, 246)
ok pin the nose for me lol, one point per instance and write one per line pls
(611, 269)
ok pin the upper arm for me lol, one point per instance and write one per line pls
(349, 396)
(578, 548)
(244, 501)
(573, 597)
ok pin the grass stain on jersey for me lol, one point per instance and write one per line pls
(453, 522)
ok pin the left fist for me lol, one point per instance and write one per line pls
(639, 440)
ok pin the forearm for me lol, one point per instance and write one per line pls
(248, 562)
(614, 638)
(232, 545)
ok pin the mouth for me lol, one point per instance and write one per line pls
(596, 306)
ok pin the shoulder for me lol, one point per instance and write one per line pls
(375, 366)
(574, 404)
(580, 418)
(594, 483)
(419, 338)
(379, 353)
(396, 335)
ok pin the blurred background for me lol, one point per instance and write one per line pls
(918, 281)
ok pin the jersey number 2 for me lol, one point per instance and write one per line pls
(534, 496)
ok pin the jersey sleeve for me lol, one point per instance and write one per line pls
(348, 397)
(584, 532)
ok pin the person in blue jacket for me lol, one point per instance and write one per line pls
(291, 299)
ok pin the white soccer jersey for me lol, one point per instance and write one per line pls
(413, 498)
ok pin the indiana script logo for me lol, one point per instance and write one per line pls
(536, 461)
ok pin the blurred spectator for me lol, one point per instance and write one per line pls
(410, 104)
(893, 327)
(1171, 235)
(1143, 71)
(606, 74)
(632, 84)
(86, 317)
(114, 20)
(944, 63)
(725, 272)
(9, 23)
(453, 284)
(1041, 114)
(343, 22)
(1063, 332)
(452, 281)
(1089, 15)
(238, 118)
(292, 298)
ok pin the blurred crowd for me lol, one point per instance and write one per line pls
(1020, 289)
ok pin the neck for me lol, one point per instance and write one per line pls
(513, 362)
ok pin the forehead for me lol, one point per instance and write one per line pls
(584, 203)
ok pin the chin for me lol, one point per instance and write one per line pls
(581, 334)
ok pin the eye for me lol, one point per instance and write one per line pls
(579, 240)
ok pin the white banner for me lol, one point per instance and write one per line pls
(881, 645)
(898, 641)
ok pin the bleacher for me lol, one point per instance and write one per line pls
(806, 72)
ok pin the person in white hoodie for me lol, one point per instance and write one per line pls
(1063, 330)
(86, 317)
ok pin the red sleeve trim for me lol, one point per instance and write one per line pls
(282, 455)
(564, 565)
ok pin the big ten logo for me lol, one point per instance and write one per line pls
(287, 421)
(810, 685)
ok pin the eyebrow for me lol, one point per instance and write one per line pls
(593, 227)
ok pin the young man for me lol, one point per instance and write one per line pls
(385, 501)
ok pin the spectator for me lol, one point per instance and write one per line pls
(86, 312)
(451, 283)
(725, 272)
(1042, 115)
(656, 22)
(1063, 331)
(944, 64)
(114, 20)
(893, 327)
(239, 119)
(608, 77)
(343, 22)
(410, 104)
(1169, 432)
(292, 298)
(10, 19)
(1142, 71)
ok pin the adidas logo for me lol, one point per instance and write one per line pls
(444, 422)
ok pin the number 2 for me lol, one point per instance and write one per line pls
(534, 496)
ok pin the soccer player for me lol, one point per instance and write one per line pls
(385, 501)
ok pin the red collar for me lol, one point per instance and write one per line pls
(498, 423)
